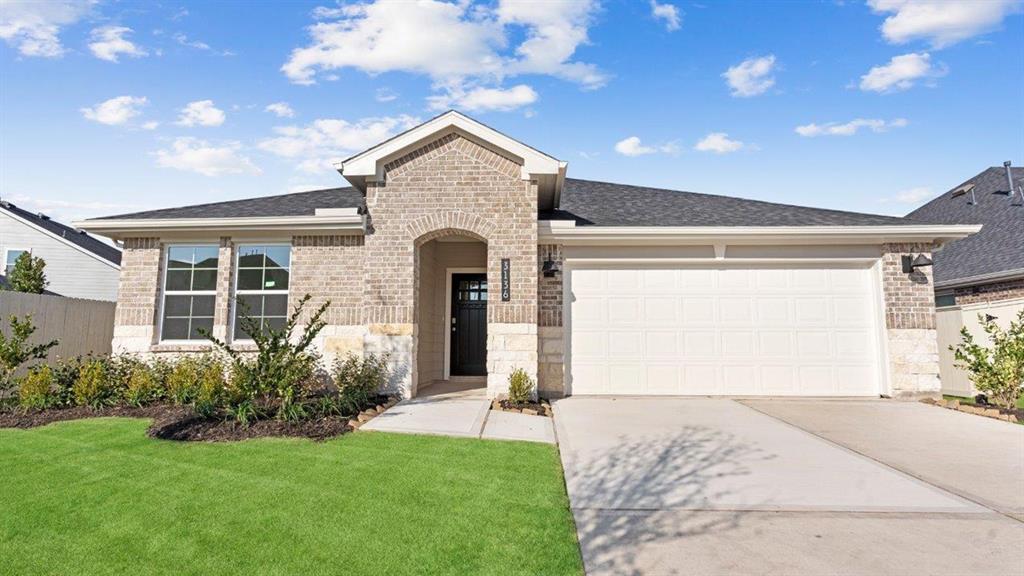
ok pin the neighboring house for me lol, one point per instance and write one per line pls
(982, 274)
(77, 264)
(465, 254)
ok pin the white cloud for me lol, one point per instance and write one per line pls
(901, 73)
(109, 42)
(195, 155)
(325, 139)
(34, 27)
(116, 111)
(943, 22)
(385, 95)
(667, 12)
(751, 77)
(849, 128)
(910, 196)
(633, 146)
(151, 125)
(281, 109)
(67, 211)
(185, 41)
(480, 99)
(719, 143)
(481, 45)
(201, 113)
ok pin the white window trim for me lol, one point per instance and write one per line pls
(236, 292)
(164, 293)
(7, 252)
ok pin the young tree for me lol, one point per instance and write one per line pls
(15, 350)
(28, 274)
(997, 371)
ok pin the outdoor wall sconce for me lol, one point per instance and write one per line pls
(550, 268)
(911, 263)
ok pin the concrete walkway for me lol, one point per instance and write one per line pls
(448, 409)
(711, 486)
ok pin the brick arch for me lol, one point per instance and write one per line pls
(449, 223)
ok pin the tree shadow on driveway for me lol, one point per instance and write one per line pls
(654, 490)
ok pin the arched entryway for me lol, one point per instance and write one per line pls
(451, 300)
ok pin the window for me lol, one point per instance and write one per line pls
(190, 289)
(11, 258)
(261, 287)
(945, 300)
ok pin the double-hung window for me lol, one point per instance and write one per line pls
(261, 288)
(190, 290)
(11, 258)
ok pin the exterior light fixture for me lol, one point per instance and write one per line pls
(911, 263)
(550, 268)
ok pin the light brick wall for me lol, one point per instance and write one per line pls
(551, 361)
(224, 306)
(987, 293)
(329, 268)
(137, 295)
(910, 323)
(549, 290)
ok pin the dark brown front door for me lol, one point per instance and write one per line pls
(468, 325)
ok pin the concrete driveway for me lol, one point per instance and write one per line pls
(714, 486)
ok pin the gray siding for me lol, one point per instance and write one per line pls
(71, 272)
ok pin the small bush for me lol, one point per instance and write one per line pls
(92, 388)
(211, 390)
(520, 387)
(65, 374)
(15, 351)
(183, 380)
(36, 390)
(359, 379)
(997, 371)
(144, 385)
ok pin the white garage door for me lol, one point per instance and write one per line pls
(700, 331)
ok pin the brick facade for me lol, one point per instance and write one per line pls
(987, 293)
(912, 346)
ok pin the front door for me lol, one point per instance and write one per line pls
(468, 325)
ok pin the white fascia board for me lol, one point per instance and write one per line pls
(548, 232)
(336, 224)
(368, 164)
(64, 240)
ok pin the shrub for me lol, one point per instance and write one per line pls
(92, 387)
(183, 380)
(28, 274)
(520, 387)
(997, 371)
(65, 374)
(283, 367)
(36, 390)
(211, 390)
(144, 385)
(358, 380)
(15, 352)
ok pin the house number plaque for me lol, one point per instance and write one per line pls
(506, 282)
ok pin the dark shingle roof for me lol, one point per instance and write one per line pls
(296, 204)
(69, 234)
(999, 247)
(606, 204)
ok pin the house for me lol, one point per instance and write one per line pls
(983, 274)
(465, 254)
(78, 265)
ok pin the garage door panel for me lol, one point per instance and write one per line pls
(701, 331)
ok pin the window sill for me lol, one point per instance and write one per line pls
(181, 347)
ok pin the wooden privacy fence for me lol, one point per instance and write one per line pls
(81, 326)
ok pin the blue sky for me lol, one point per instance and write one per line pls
(108, 107)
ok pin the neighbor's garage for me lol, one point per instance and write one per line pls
(781, 331)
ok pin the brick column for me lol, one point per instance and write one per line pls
(550, 333)
(910, 324)
(138, 292)
(224, 305)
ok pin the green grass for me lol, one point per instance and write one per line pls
(1020, 401)
(99, 497)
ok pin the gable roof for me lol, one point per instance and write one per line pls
(607, 204)
(76, 238)
(295, 204)
(997, 252)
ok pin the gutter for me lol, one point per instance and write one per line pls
(566, 232)
(333, 221)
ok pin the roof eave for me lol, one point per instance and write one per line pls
(560, 232)
(119, 229)
(1001, 276)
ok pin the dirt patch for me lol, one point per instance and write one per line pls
(542, 408)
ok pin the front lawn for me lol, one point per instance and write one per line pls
(99, 497)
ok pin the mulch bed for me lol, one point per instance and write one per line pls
(541, 408)
(988, 410)
(181, 423)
